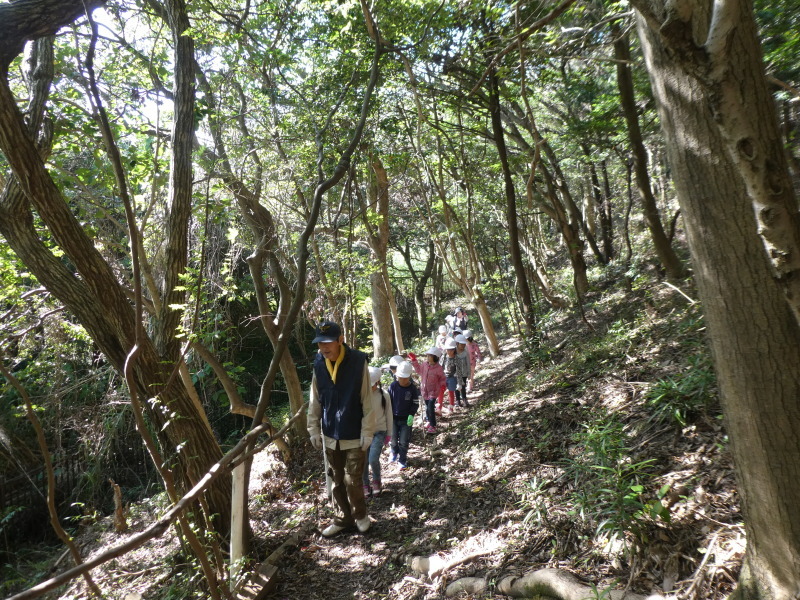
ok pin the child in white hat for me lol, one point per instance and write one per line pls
(449, 366)
(442, 337)
(405, 403)
(432, 380)
(382, 409)
(475, 357)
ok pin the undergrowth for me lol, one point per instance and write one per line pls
(614, 489)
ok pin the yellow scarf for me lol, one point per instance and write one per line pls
(333, 368)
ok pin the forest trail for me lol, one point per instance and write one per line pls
(448, 497)
(558, 467)
(515, 484)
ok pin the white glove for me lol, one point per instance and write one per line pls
(316, 440)
(366, 442)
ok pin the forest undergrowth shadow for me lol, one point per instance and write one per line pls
(604, 456)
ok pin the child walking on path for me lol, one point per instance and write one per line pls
(462, 370)
(475, 358)
(449, 366)
(442, 337)
(405, 402)
(432, 380)
(382, 409)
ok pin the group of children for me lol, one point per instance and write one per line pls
(449, 365)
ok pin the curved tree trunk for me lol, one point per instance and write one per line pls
(661, 243)
(96, 297)
(523, 289)
(382, 202)
(262, 225)
(385, 319)
(753, 330)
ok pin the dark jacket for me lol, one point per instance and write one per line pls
(341, 402)
(405, 400)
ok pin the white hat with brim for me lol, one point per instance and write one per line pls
(374, 375)
(404, 369)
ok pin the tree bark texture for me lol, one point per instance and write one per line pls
(523, 289)
(379, 241)
(180, 183)
(661, 243)
(26, 20)
(95, 296)
(753, 331)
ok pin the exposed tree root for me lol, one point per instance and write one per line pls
(544, 584)
(434, 566)
(471, 585)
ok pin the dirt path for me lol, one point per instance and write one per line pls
(439, 504)
(492, 495)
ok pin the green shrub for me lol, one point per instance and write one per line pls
(682, 397)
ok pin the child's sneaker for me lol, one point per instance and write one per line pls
(430, 429)
(403, 467)
(376, 488)
(367, 491)
(393, 458)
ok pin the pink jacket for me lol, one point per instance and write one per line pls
(431, 378)
(474, 353)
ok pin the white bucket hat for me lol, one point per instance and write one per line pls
(374, 375)
(404, 369)
(435, 350)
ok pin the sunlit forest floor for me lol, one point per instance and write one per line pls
(600, 451)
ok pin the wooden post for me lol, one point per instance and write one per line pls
(239, 529)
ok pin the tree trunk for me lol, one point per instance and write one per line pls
(98, 300)
(262, 225)
(382, 341)
(753, 331)
(569, 233)
(382, 203)
(523, 289)
(666, 254)
(419, 290)
(384, 309)
(606, 215)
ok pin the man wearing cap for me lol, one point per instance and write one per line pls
(340, 416)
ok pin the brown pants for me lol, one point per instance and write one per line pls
(345, 468)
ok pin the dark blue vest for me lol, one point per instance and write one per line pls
(341, 401)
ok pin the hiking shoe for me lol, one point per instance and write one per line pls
(332, 529)
(367, 491)
(363, 524)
